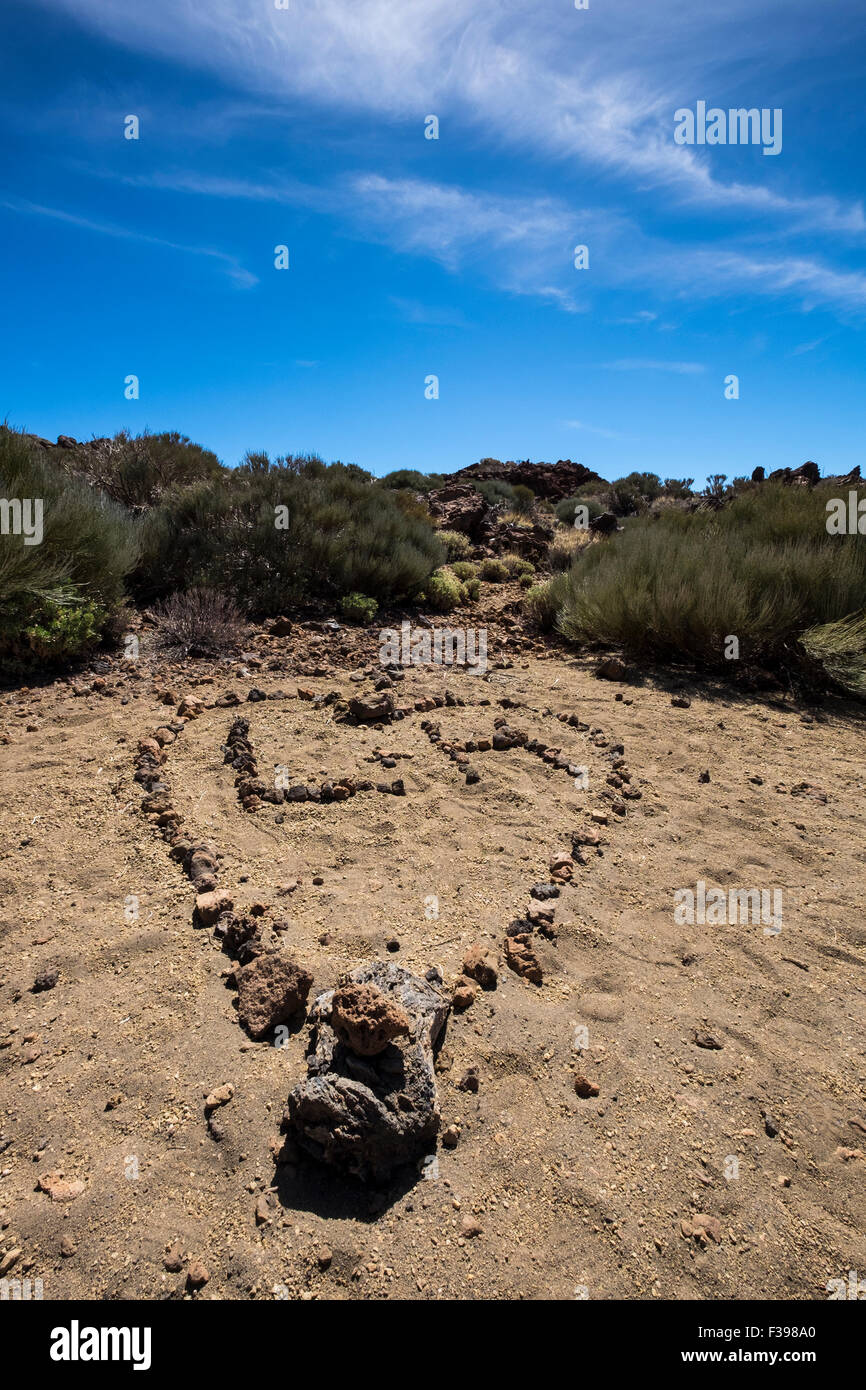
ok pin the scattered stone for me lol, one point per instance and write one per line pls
(680, 701)
(465, 994)
(481, 964)
(451, 1137)
(173, 1258)
(585, 1088)
(60, 1189)
(702, 1228)
(469, 1081)
(366, 1020)
(372, 708)
(770, 1126)
(271, 989)
(190, 707)
(846, 1155)
(543, 891)
(197, 1275)
(522, 959)
(46, 979)
(469, 1228)
(67, 1246)
(209, 906)
(220, 1096)
(611, 669)
(705, 1039)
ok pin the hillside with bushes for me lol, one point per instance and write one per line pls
(645, 566)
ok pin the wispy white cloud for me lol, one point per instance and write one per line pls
(802, 348)
(231, 267)
(652, 364)
(600, 88)
(430, 315)
(592, 429)
(524, 245)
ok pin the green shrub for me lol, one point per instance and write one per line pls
(456, 544)
(494, 571)
(678, 487)
(273, 537)
(56, 596)
(566, 510)
(444, 591)
(472, 590)
(137, 470)
(763, 568)
(524, 499)
(357, 608)
(517, 566)
(495, 492)
(464, 569)
(542, 602)
(412, 479)
(63, 631)
(646, 486)
(840, 648)
(526, 581)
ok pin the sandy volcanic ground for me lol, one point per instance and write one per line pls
(103, 1077)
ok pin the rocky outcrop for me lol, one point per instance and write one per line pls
(458, 507)
(549, 481)
(370, 1114)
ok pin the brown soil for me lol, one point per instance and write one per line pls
(630, 1193)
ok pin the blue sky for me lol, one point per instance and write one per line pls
(454, 257)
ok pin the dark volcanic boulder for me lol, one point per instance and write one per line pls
(604, 525)
(368, 1115)
(458, 507)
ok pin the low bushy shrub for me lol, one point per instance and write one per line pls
(138, 470)
(444, 591)
(517, 566)
(542, 602)
(762, 568)
(57, 595)
(524, 499)
(465, 570)
(272, 537)
(412, 479)
(494, 571)
(566, 510)
(357, 608)
(200, 622)
(456, 544)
